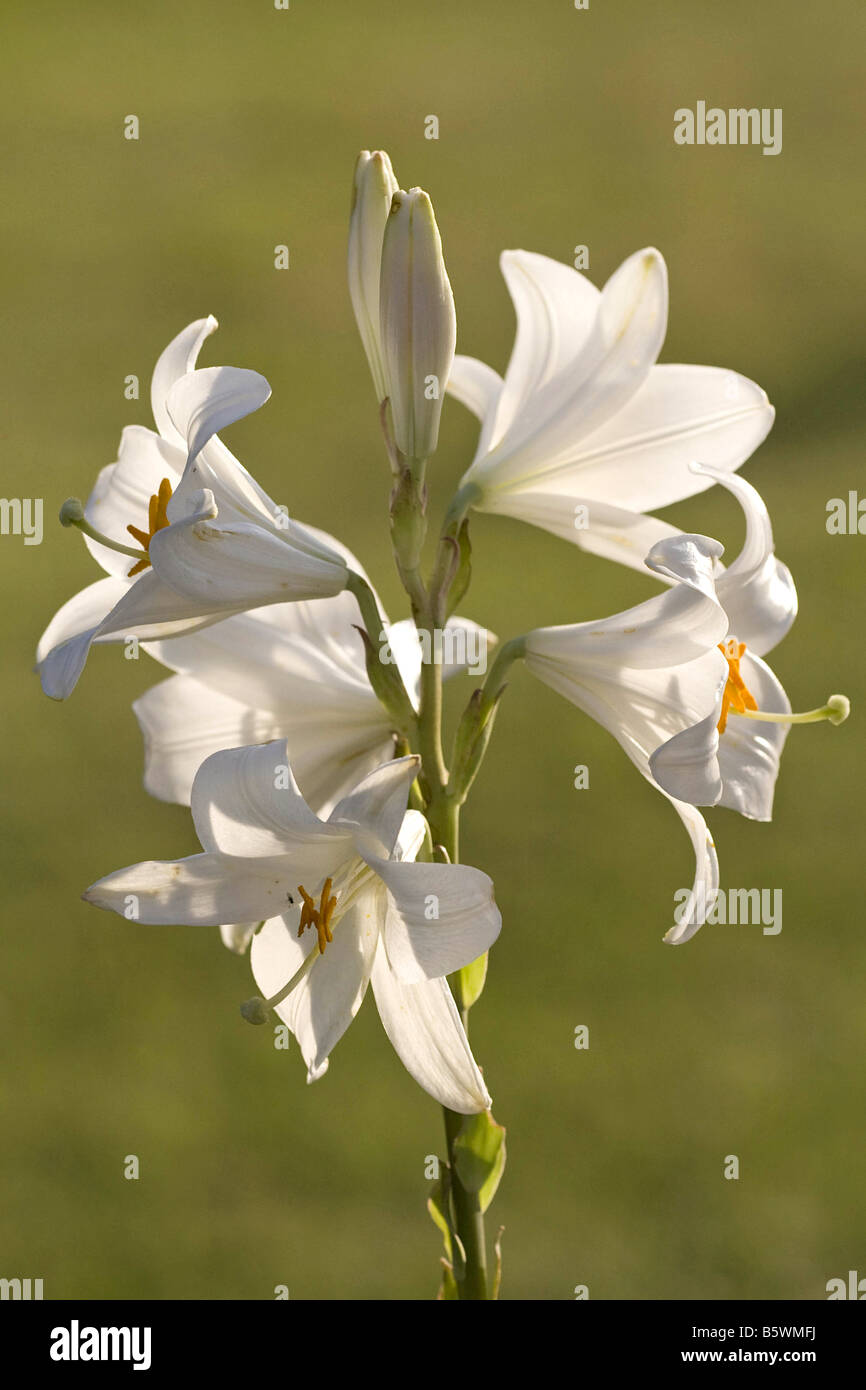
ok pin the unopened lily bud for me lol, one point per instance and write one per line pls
(417, 322)
(374, 187)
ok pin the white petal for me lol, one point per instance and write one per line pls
(178, 358)
(81, 613)
(236, 936)
(750, 750)
(477, 387)
(245, 801)
(378, 805)
(289, 656)
(440, 917)
(687, 765)
(204, 890)
(146, 609)
(756, 590)
(184, 722)
(321, 1007)
(556, 310)
(611, 532)
(424, 1028)
(227, 569)
(640, 457)
(612, 364)
(693, 913)
(123, 491)
(462, 646)
(667, 630)
(206, 401)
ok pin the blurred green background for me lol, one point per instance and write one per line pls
(555, 129)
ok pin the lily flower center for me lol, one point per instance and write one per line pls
(156, 521)
(318, 917)
(736, 695)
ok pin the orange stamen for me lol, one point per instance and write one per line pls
(156, 521)
(736, 695)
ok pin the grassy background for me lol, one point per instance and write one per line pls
(556, 129)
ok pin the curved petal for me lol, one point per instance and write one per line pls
(556, 309)
(378, 804)
(474, 384)
(81, 613)
(687, 765)
(424, 1028)
(123, 491)
(611, 532)
(440, 917)
(206, 890)
(614, 361)
(756, 590)
(147, 609)
(176, 361)
(236, 936)
(207, 400)
(246, 802)
(321, 1007)
(670, 629)
(228, 568)
(691, 915)
(641, 455)
(750, 750)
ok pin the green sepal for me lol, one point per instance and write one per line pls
(468, 982)
(472, 738)
(463, 574)
(479, 1156)
(387, 684)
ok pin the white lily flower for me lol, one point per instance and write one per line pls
(586, 432)
(731, 757)
(295, 671)
(343, 906)
(648, 674)
(211, 542)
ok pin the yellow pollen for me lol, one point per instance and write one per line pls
(736, 695)
(156, 521)
(318, 917)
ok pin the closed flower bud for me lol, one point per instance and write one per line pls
(418, 325)
(374, 187)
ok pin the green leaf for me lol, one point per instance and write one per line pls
(448, 1288)
(438, 1206)
(497, 1276)
(479, 1156)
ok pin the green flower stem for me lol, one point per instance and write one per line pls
(443, 815)
(469, 1222)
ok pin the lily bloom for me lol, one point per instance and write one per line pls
(586, 432)
(648, 674)
(210, 542)
(731, 757)
(342, 904)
